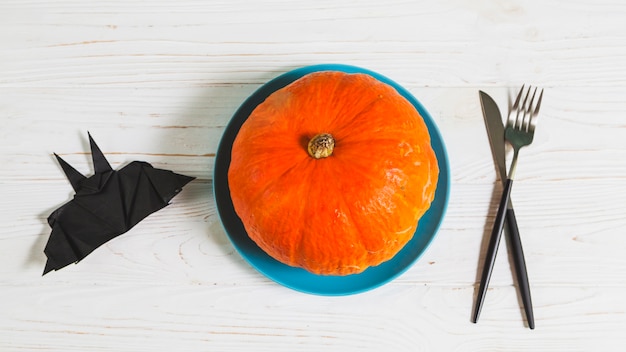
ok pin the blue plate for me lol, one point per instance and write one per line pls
(300, 279)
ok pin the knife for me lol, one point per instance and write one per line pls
(495, 131)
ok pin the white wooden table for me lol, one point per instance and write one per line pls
(159, 80)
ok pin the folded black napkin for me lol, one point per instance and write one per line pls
(106, 205)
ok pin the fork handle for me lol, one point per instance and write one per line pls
(492, 249)
(515, 243)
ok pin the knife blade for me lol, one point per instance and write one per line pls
(495, 132)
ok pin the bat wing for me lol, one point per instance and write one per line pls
(76, 232)
(166, 183)
(148, 189)
(140, 197)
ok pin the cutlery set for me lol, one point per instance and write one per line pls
(519, 132)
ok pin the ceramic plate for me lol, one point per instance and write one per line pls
(300, 279)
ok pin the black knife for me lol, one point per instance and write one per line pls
(495, 131)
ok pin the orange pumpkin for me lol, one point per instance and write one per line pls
(332, 173)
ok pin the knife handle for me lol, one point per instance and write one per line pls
(515, 244)
(492, 249)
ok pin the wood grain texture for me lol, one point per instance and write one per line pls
(160, 80)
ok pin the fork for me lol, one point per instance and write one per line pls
(519, 132)
(521, 129)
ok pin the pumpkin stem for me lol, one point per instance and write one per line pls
(321, 146)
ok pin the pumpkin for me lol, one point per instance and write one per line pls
(332, 172)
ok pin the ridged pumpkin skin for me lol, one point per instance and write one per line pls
(340, 214)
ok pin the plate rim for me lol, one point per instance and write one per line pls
(442, 194)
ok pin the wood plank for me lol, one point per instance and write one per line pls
(195, 44)
(186, 241)
(161, 316)
(180, 128)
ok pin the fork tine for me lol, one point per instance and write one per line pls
(521, 110)
(511, 120)
(538, 103)
(528, 111)
(535, 113)
(519, 95)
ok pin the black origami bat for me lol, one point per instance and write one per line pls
(106, 205)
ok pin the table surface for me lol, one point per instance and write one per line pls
(158, 81)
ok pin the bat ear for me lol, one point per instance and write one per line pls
(73, 176)
(100, 163)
